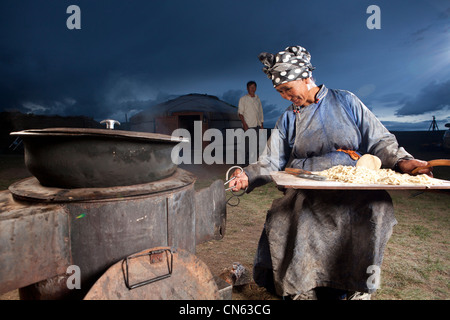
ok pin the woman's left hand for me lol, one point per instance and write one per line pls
(407, 166)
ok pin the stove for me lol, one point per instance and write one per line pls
(47, 225)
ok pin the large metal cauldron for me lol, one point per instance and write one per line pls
(97, 158)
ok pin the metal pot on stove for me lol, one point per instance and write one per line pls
(97, 158)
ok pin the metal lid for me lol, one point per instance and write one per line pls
(99, 133)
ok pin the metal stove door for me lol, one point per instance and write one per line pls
(156, 274)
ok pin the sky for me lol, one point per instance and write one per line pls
(129, 55)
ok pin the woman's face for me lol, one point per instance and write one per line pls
(295, 91)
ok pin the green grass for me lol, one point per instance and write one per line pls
(417, 260)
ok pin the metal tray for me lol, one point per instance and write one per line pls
(290, 181)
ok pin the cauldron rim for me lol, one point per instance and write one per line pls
(149, 136)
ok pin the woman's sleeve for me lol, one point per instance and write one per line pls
(375, 138)
(275, 154)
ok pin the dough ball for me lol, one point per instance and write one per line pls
(369, 161)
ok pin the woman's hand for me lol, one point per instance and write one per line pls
(406, 166)
(241, 181)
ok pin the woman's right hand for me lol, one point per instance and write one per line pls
(241, 181)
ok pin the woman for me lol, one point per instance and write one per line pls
(319, 243)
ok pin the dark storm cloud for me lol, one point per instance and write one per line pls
(124, 48)
(415, 126)
(434, 97)
(438, 25)
(232, 96)
(271, 113)
(47, 68)
(129, 55)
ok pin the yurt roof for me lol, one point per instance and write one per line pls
(193, 102)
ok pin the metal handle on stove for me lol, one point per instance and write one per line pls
(155, 256)
(235, 194)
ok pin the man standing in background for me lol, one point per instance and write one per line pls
(251, 114)
(250, 109)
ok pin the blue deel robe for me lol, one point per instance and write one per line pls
(324, 238)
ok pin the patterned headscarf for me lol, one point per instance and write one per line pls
(291, 64)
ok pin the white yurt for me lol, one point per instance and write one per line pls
(181, 112)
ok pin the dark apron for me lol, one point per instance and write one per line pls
(321, 238)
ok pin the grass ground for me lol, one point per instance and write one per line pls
(416, 262)
(417, 259)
